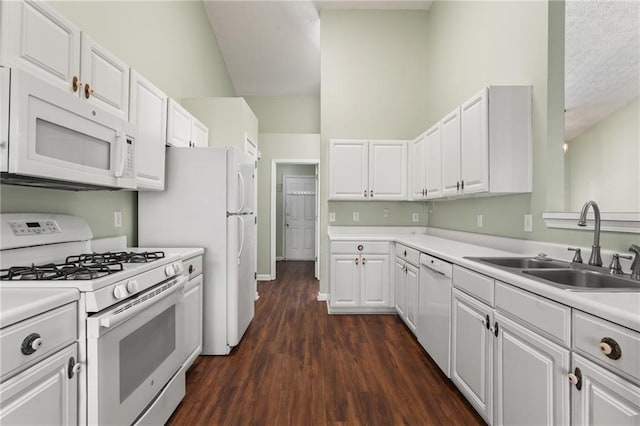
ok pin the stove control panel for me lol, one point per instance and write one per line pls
(34, 227)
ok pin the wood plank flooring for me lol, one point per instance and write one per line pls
(297, 365)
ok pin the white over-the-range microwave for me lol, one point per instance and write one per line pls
(51, 139)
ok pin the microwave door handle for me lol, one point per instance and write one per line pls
(241, 249)
(242, 189)
(120, 143)
(113, 320)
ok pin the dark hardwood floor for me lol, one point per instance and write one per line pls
(297, 365)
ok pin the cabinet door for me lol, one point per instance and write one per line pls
(105, 78)
(604, 399)
(411, 297)
(199, 134)
(472, 352)
(148, 111)
(433, 173)
(39, 40)
(375, 280)
(530, 378)
(193, 319)
(400, 284)
(450, 139)
(43, 394)
(388, 170)
(474, 144)
(178, 125)
(345, 280)
(348, 170)
(417, 167)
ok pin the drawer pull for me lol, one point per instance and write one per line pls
(610, 348)
(405, 253)
(73, 367)
(575, 378)
(31, 343)
(191, 268)
(360, 247)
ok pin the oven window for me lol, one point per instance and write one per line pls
(145, 349)
(65, 144)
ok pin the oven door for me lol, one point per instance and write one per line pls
(133, 350)
(61, 137)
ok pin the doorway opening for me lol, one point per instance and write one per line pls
(295, 212)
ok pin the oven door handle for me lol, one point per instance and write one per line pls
(113, 320)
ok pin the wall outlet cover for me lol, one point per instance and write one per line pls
(415, 217)
(479, 221)
(332, 216)
(117, 219)
(385, 212)
(528, 223)
(356, 216)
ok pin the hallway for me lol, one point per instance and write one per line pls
(297, 365)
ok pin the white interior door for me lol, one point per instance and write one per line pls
(300, 217)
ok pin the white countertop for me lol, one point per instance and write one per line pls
(622, 308)
(183, 252)
(17, 304)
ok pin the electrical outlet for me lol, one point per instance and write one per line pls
(528, 223)
(356, 216)
(415, 217)
(385, 212)
(479, 221)
(332, 216)
(117, 219)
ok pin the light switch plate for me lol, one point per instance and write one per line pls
(479, 221)
(117, 219)
(528, 223)
(332, 216)
(356, 216)
(415, 217)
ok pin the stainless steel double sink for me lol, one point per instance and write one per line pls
(565, 275)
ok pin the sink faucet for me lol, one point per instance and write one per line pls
(635, 266)
(595, 258)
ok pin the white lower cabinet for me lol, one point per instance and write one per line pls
(401, 288)
(406, 277)
(601, 398)
(530, 377)
(345, 281)
(193, 319)
(374, 286)
(472, 352)
(46, 393)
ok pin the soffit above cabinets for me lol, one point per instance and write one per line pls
(602, 52)
(272, 48)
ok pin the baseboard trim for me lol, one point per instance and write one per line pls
(264, 277)
(279, 258)
(323, 297)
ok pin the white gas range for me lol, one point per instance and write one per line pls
(131, 313)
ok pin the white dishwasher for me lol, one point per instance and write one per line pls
(434, 309)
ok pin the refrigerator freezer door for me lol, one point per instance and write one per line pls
(240, 181)
(241, 281)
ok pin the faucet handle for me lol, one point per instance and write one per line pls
(577, 258)
(635, 266)
(615, 268)
(542, 256)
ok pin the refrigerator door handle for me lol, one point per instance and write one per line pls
(241, 249)
(242, 191)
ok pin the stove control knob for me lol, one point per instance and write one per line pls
(120, 292)
(178, 267)
(133, 287)
(169, 271)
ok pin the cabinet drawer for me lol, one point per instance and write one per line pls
(590, 332)
(475, 284)
(407, 253)
(56, 329)
(548, 317)
(193, 266)
(351, 247)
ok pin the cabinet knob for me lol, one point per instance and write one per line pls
(426, 192)
(462, 185)
(31, 343)
(458, 186)
(191, 269)
(357, 261)
(575, 378)
(73, 367)
(405, 253)
(371, 193)
(88, 91)
(360, 247)
(610, 348)
(76, 84)
(364, 260)
(365, 193)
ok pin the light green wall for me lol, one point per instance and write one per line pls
(277, 146)
(472, 44)
(169, 42)
(373, 86)
(604, 162)
(281, 171)
(286, 114)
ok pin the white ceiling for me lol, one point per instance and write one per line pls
(602, 52)
(272, 48)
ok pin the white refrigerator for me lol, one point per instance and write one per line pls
(208, 202)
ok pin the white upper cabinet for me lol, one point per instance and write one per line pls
(105, 78)
(433, 155)
(148, 111)
(39, 40)
(183, 129)
(486, 143)
(362, 170)
(417, 167)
